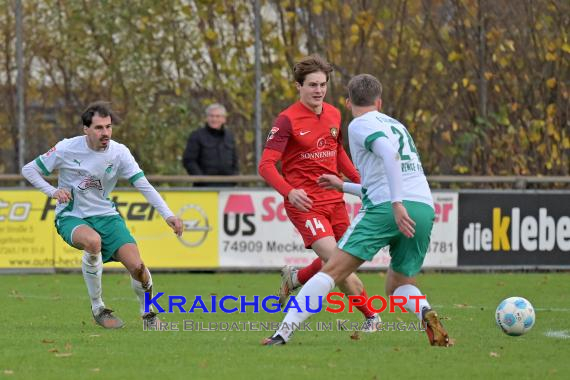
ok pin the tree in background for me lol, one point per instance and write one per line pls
(483, 85)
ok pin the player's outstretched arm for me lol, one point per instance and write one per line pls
(332, 182)
(154, 198)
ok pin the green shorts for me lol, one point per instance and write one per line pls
(112, 229)
(375, 227)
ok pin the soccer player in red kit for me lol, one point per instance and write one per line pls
(306, 138)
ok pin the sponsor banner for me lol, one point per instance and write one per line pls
(26, 235)
(526, 229)
(255, 232)
(29, 238)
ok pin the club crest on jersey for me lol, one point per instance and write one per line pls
(272, 133)
(334, 132)
(109, 168)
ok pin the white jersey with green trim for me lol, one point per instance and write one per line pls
(88, 174)
(362, 132)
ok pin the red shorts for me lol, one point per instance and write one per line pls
(325, 220)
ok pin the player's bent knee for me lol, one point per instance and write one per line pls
(89, 241)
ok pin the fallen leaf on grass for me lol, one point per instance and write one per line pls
(63, 355)
(494, 354)
(48, 341)
(53, 350)
(14, 293)
(355, 336)
(8, 372)
(95, 369)
(461, 305)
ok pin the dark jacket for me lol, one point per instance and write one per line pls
(211, 151)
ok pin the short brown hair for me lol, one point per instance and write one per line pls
(364, 89)
(101, 108)
(311, 64)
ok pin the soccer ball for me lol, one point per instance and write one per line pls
(515, 316)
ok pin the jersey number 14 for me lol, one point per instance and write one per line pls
(314, 225)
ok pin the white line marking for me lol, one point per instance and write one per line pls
(559, 334)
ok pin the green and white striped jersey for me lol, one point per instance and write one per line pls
(362, 132)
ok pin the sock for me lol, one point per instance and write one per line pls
(92, 268)
(410, 290)
(364, 308)
(140, 290)
(319, 285)
(303, 275)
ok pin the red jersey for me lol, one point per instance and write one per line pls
(308, 145)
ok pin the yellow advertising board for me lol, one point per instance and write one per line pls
(23, 238)
(26, 235)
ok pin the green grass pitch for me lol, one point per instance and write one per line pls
(46, 331)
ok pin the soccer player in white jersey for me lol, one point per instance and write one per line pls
(89, 167)
(397, 210)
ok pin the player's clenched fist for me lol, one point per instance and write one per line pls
(62, 195)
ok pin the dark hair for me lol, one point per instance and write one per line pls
(101, 108)
(364, 89)
(311, 64)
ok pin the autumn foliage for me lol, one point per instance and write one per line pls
(482, 85)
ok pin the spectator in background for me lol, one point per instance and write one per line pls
(211, 150)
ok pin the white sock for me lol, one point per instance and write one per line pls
(140, 291)
(410, 290)
(319, 285)
(92, 268)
